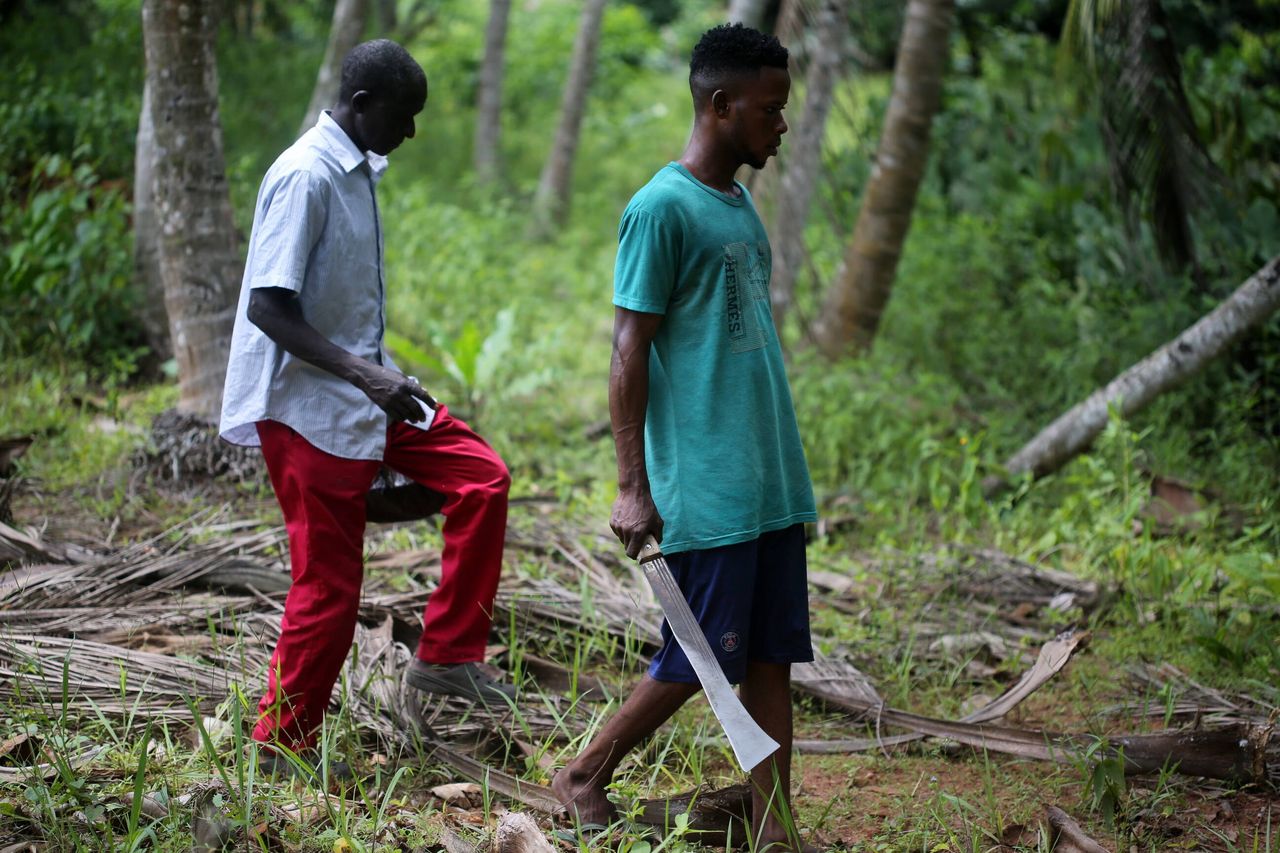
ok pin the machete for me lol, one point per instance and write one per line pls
(750, 743)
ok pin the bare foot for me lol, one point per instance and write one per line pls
(583, 797)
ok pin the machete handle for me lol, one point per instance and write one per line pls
(650, 551)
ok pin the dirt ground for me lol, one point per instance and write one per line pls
(967, 802)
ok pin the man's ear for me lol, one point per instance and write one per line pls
(360, 101)
(720, 103)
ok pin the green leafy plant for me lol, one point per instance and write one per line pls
(66, 267)
(478, 365)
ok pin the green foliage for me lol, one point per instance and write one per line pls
(65, 271)
(622, 111)
(1242, 131)
(264, 83)
(1106, 780)
(51, 104)
(66, 141)
(477, 364)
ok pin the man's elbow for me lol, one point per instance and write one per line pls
(255, 310)
(262, 310)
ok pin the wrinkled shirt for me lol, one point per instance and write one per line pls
(721, 443)
(317, 232)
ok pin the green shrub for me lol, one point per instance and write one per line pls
(66, 267)
(72, 83)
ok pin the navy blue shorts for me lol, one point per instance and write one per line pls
(752, 601)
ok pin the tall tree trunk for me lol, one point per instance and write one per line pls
(488, 143)
(387, 18)
(146, 235)
(349, 18)
(1251, 304)
(199, 260)
(804, 156)
(858, 296)
(551, 201)
(748, 12)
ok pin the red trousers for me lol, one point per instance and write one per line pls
(323, 501)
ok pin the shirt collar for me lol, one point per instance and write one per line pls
(349, 157)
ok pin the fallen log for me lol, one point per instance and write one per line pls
(1237, 754)
(1251, 304)
(715, 817)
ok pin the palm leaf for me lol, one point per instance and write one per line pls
(1160, 169)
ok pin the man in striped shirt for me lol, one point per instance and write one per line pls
(310, 381)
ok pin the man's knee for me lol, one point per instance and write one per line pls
(495, 477)
(502, 477)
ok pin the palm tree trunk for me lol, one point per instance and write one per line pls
(488, 144)
(804, 156)
(1251, 304)
(387, 18)
(146, 236)
(349, 17)
(551, 201)
(199, 259)
(860, 292)
(748, 12)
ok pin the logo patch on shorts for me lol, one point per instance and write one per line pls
(729, 641)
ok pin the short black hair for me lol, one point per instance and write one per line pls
(383, 69)
(731, 49)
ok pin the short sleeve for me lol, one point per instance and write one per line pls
(644, 275)
(288, 225)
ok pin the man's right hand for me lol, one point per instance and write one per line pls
(277, 312)
(396, 394)
(634, 517)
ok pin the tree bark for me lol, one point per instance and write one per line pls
(349, 18)
(551, 201)
(199, 259)
(1251, 304)
(857, 298)
(387, 19)
(146, 236)
(488, 143)
(748, 12)
(804, 160)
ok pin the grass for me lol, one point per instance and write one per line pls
(1204, 601)
(934, 800)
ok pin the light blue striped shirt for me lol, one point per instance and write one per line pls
(317, 232)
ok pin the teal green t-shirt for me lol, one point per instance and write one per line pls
(721, 443)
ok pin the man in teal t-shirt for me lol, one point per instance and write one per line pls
(721, 446)
(709, 456)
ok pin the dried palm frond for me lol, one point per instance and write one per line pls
(837, 682)
(1169, 692)
(27, 545)
(108, 623)
(145, 573)
(114, 680)
(185, 448)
